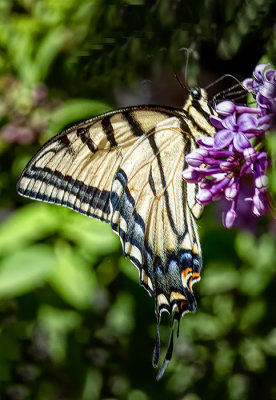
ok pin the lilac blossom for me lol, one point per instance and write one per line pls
(263, 88)
(220, 162)
(18, 134)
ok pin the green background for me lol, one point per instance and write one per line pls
(74, 322)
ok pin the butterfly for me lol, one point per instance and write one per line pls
(125, 168)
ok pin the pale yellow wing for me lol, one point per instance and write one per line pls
(151, 213)
(76, 168)
(125, 168)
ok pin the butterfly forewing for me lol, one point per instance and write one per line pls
(77, 167)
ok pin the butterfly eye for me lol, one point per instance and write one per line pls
(196, 94)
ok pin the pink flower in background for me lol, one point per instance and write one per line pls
(18, 134)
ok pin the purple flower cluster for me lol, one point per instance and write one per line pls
(236, 149)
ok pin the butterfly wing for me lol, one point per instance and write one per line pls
(125, 168)
(151, 213)
(76, 168)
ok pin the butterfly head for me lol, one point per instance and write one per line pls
(197, 93)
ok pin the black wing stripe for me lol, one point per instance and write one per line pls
(151, 183)
(76, 186)
(109, 131)
(125, 205)
(100, 197)
(198, 107)
(64, 142)
(84, 135)
(105, 177)
(163, 179)
(135, 127)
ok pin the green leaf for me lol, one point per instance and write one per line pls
(75, 110)
(128, 269)
(26, 270)
(72, 279)
(218, 278)
(95, 236)
(27, 224)
(120, 317)
(203, 326)
(252, 355)
(48, 51)
(93, 385)
(269, 344)
(253, 282)
(57, 323)
(252, 314)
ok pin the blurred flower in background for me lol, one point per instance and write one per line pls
(20, 110)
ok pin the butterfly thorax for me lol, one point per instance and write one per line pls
(199, 111)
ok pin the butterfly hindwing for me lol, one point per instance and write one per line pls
(151, 213)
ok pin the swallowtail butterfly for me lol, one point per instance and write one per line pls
(125, 168)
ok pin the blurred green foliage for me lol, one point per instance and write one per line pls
(74, 323)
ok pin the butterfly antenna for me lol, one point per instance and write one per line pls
(180, 83)
(221, 78)
(168, 356)
(234, 95)
(188, 52)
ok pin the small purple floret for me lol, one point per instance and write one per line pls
(204, 197)
(229, 218)
(259, 204)
(236, 149)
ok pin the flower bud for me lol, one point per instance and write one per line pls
(229, 218)
(259, 204)
(204, 197)
(228, 166)
(226, 107)
(196, 158)
(206, 141)
(250, 154)
(191, 175)
(261, 183)
(231, 192)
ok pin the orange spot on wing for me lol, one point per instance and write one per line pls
(177, 296)
(186, 271)
(183, 304)
(195, 275)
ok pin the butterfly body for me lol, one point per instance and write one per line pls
(125, 168)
